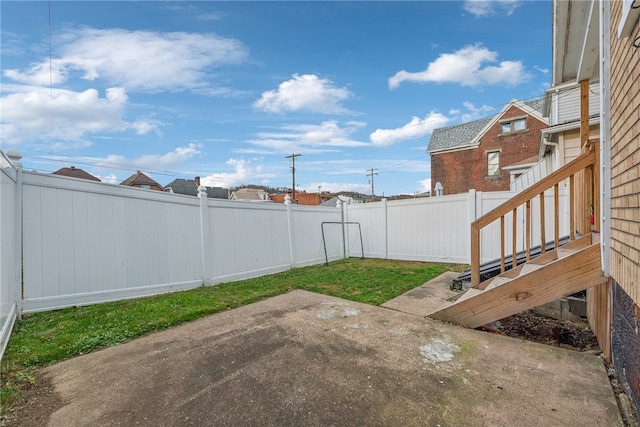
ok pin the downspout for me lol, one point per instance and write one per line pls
(556, 145)
(605, 137)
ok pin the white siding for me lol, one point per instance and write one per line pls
(565, 104)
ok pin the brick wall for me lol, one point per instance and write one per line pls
(625, 204)
(460, 171)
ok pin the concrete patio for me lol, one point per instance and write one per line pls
(304, 359)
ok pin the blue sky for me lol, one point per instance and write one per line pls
(227, 90)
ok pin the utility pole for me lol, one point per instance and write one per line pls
(371, 174)
(293, 174)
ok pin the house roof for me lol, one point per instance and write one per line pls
(454, 136)
(467, 134)
(188, 187)
(139, 179)
(250, 194)
(74, 172)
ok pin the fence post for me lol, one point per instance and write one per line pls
(473, 205)
(287, 202)
(386, 228)
(204, 234)
(344, 243)
(16, 160)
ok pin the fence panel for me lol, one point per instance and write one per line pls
(373, 223)
(248, 239)
(306, 234)
(9, 250)
(87, 242)
(430, 229)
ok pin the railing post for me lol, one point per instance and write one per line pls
(204, 234)
(475, 239)
(475, 256)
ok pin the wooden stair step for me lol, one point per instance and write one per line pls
(562, 252)
(471, 292)
(578, 271)
(529, 267)
(497, 281)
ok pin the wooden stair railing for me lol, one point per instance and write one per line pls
(581, 167)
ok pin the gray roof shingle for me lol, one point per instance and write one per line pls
(188, 187)
(462, 134)
(454, 136)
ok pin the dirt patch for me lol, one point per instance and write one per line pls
(559, 333)
(35, 403)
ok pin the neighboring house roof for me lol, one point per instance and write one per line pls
(188, 187)
(344, 199)
(74, 172)
(141, 180)
(254, 194)
(469, 134)
(454, 136)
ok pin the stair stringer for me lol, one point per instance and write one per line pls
(560, 278)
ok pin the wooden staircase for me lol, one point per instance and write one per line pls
(563, 271)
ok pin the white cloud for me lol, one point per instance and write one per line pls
(243, 173)
(468, 67)
(474, 113)
(542, 70)
(328, 135)
(416, 128)
(305, 92)
(424, 185)
(109, 179)
(171, 160)
(36, 112)
(137, 60)
(490, 7)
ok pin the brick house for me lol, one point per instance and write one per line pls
(487, 154)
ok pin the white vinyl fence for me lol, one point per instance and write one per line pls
(439, 228)
(9, 249)
(87, 242)
(68, 242)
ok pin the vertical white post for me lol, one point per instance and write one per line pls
(287, 202)
(385, 223)
(16, 159)
(605, 136)
(341, 209)
(345, 219)
(204, 235)
(473, 206)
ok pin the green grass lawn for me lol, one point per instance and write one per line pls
(42, 339)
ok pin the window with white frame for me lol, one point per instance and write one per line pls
(493, 163)
(513, 125)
